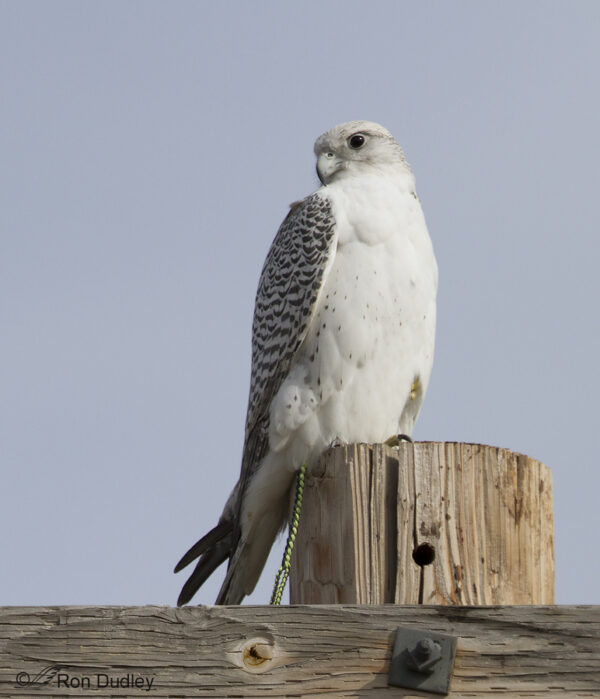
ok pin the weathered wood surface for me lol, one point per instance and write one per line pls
(303, 651)
(485, 513)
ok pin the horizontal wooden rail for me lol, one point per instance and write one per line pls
(302, 651)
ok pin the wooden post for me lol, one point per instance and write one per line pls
(425, 523)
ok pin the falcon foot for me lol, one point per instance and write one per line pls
(337, 442)
(396, 439)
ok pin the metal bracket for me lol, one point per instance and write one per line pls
(422, 660)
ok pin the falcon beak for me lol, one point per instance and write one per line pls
(328, 164)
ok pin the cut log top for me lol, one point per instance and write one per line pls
(425, 522)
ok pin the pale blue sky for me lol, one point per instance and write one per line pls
(149, 153)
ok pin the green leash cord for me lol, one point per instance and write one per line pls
(284, 569)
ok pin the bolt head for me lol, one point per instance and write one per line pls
(425, 647)
(424, 655)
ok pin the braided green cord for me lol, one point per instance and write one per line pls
(284, 569)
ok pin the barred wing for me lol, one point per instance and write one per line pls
(289, 285)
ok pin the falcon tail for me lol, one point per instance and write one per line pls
(213, 549)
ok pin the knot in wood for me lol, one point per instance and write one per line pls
(256, 654)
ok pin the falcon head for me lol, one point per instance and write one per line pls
(356, 146)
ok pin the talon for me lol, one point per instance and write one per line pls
(337, 442)
(396, 439)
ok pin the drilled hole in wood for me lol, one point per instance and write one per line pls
(424, 555)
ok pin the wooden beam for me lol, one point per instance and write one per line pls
(425, 522)
(303, 651)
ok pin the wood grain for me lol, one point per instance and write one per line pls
(485, 513)
(303, 651)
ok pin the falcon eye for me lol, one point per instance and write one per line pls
(357, 141)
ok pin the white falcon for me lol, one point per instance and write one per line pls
(342, 340)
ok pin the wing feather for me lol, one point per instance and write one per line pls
(289, 286)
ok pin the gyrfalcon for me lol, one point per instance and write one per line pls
(342, 340)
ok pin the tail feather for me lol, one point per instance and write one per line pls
(247, 546)
(232, 590)
(250, 556)
(206, 542)
(204, 569)
(213, 548)
(230, 594)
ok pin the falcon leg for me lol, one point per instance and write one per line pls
(409, 414)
